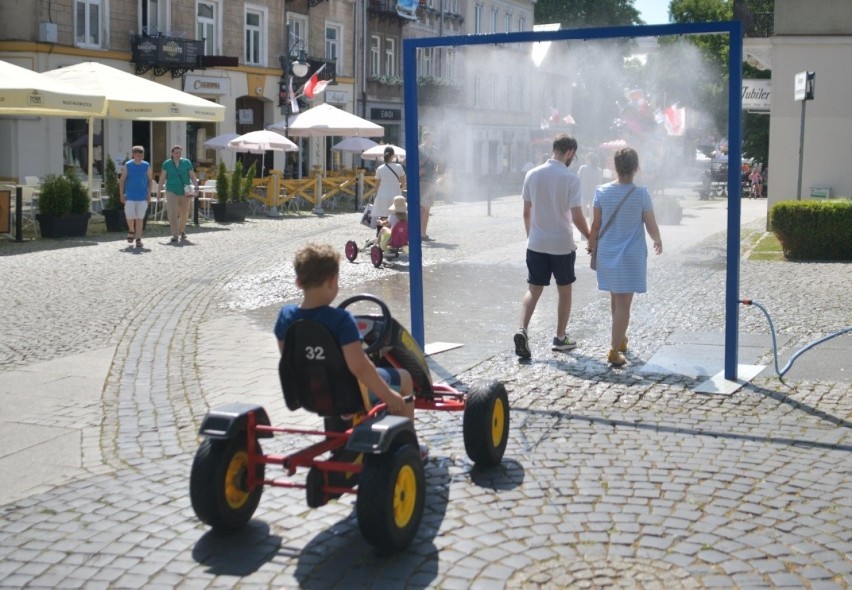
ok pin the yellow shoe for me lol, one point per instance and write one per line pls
(615, 358)
(623, 346)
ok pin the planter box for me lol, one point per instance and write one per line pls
(73, 225)
(115, 220)
(230, 211)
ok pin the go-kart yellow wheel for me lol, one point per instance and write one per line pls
(218, 484)
(391, 495)
(486, 423)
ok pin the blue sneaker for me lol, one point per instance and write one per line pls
(564, 343)
(522, 347)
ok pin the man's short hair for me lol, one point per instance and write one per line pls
(315, 264)
(137, 149)
(563, 143)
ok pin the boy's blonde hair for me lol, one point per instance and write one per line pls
(315, 264)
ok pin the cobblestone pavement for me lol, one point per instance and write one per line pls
(612, 478)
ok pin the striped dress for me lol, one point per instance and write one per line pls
(622, 259)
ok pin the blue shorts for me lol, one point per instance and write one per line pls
(541, 266)
(391, 377)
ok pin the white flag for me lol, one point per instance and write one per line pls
(294, 104)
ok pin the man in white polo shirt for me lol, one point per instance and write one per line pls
(552, 207)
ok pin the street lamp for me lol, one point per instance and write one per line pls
(299, 68)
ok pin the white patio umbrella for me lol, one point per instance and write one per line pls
(132, 97)
(326, 120)
(261, 141)
(355, 144)
(378, 152)
(24, 92)
(257, 142)
(220, 142)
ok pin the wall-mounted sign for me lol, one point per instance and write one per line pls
(757, 95)
(337, 96)
(206, 85)
(385, 114)
(245, 116)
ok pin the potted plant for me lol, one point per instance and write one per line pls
(232, 196)
(114, 211)
(63, 207)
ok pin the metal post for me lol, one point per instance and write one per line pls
(801, 152)
(19, 214)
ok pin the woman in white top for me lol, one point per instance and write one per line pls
(390, 181)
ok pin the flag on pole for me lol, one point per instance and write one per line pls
(315, 86)
(294, 104)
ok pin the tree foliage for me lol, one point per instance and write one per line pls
(587, 13)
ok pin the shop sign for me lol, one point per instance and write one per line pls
(337, 96)
(757, 95)
(377, 114)
(206, 85)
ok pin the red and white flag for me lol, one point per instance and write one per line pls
(315, 86)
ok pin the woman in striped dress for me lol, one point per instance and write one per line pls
(621, 251)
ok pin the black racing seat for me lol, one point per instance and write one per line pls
(314, 374)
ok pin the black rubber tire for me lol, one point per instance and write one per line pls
(313, 488)
(217, 483)
(351, 250)
(486, 423)
(387, 514)
(376, 256)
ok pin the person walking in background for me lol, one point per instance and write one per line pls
(590, 176)
(430, 167)
(390, 182)
(135, 193)
(176, 175)
(552, 207)
(622, 214)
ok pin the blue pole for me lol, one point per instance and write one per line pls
(412, 164)
(735, 114)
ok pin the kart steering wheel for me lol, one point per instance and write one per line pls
(383, 325)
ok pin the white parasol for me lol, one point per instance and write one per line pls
(355, 144)
(220, 142)
(378, 152)
(260, 141)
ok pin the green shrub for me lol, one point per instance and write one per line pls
(111, 185)
(55, 196)
(247, 183)
(80, 202)
(813, 230)
(237, 182)
(222, 186)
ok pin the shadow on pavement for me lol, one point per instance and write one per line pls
(340, 558)
(239, 553)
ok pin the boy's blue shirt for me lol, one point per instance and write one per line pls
(340, 322)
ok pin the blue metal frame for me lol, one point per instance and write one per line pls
(734, 31)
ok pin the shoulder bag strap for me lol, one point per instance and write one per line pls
(614, 213)
(394, 173)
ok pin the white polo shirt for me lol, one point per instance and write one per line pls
(553, 189)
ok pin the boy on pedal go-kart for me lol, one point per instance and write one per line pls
(317, 269)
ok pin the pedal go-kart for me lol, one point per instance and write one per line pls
(362, 450)
(396, 245)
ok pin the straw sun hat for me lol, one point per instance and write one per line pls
(399, 205)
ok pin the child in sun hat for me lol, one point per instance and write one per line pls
(398, 212)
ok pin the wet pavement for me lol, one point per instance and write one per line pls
(612, 478)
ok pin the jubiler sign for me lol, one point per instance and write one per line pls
(757, 95)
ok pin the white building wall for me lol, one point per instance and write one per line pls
(828, 118)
